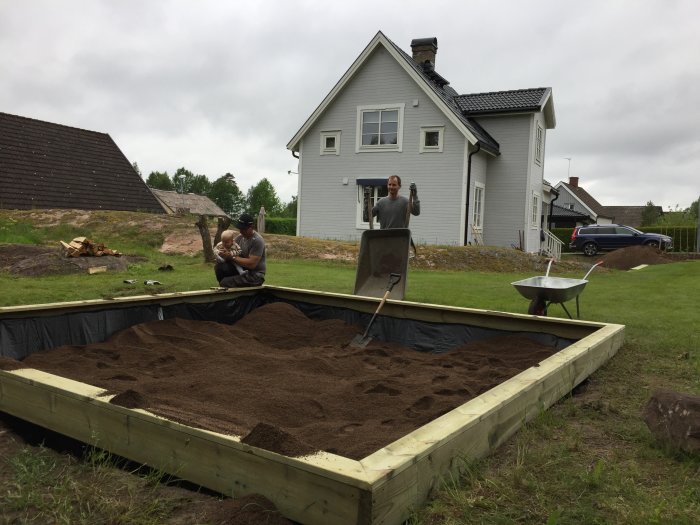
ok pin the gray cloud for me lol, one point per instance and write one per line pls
(222, 86)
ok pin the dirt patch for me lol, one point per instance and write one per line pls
(30, 260)
(626, 258)
(295, 375)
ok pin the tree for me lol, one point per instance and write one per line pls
(227, 195)
(137, 169)
(693, 210)
(650, 214)
(263, 194)
(290, 209)
(160, 181)
(185, 181)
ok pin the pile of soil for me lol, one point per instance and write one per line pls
(626, 258)
(285, 382)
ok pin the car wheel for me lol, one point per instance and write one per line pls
(590, 249)
(653, 244)
(537, 306)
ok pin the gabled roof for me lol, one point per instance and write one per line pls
(460, 109)
(45, 165)
(441, 96)
(514, 101)
(629, 215)
(585, 198)
(173, 201)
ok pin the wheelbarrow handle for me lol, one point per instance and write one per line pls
(592, 268)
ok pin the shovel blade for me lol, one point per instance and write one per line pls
(360, 341)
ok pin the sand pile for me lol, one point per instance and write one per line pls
(626, 258)
(285, 382)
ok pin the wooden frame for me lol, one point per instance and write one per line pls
(323, 488)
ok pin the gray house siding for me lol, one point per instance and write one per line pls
(508, 181)
(535, 177)
(478, 176)
(327, 183)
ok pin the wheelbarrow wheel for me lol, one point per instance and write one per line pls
(537, 306)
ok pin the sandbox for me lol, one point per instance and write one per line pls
(337, 484)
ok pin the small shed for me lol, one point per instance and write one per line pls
(174, 203)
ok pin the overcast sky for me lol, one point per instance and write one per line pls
(222, 86)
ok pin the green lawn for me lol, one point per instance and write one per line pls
(588, 459)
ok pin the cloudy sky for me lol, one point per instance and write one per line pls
(222, 86)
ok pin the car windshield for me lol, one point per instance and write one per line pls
(634, 230)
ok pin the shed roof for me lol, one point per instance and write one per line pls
(46, 165)
(193, 203)
(629, 215)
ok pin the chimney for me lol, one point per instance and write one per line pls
(573, 181)
(424, 51)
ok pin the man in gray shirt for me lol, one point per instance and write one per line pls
(392, 210)
(247, 267)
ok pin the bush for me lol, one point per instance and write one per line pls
(564, 235)
(281, 225)
(684, 237)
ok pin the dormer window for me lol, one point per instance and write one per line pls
(330, 143)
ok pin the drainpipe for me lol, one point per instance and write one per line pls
(294, 154)
(469, 184)
(551, 207)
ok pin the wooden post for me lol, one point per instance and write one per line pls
(261, 220)
(206, 239)
(222, 225)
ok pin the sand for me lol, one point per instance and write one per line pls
(285, 382)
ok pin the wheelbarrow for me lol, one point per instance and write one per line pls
(382, 254)
(545, 290)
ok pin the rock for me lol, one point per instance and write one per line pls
(674, 419)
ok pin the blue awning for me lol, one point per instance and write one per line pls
(372, 182)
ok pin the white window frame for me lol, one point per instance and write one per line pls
(359, 148)
(478, 207)
(535, 212)
(377, 193)
(330, 151)
(428, 129)
(539, 143)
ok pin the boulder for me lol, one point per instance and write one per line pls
(674, 419)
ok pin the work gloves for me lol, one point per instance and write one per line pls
(413, 188)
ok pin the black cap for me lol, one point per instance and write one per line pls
(244, 221)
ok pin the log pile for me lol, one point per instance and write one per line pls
(84, 247)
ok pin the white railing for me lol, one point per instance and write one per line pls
(551, 246)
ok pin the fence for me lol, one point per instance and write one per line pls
(685, 238)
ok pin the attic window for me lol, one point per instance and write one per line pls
(431, 138)
(330, 143)
(379, 128)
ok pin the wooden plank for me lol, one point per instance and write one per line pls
(319, 489)
(97, 269)
(408, 470)
(324, 488)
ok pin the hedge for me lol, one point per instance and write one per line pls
(684, 237)
(281, 225)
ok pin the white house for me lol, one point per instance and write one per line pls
(478, 159)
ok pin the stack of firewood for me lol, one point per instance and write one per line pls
(84, 247)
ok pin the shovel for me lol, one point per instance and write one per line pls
(361, 341)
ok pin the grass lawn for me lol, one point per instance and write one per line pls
(588, 459)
